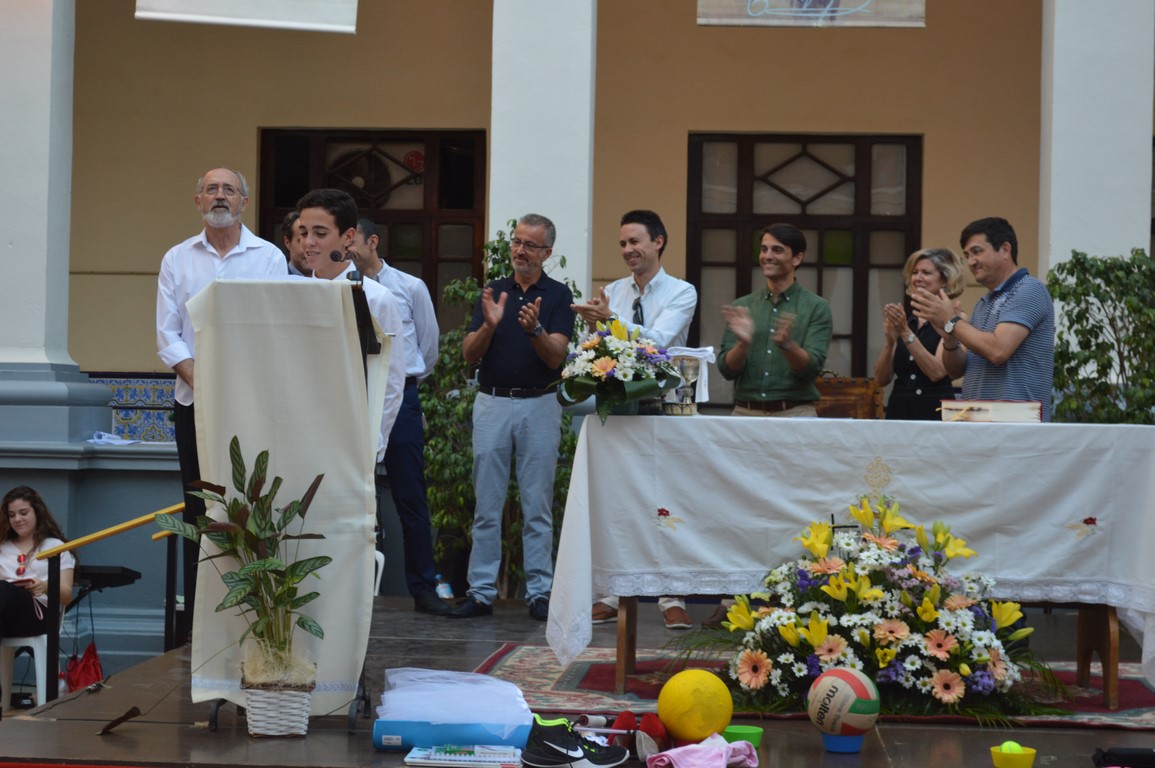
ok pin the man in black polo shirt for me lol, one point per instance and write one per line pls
(520, 333)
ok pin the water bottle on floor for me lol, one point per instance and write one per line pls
(444, 590)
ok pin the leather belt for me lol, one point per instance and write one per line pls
(771, 406)
(518, 393)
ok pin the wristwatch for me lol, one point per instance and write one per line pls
(537, 331)
(949, 325)
(909, 338)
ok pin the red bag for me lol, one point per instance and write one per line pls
(83, 672)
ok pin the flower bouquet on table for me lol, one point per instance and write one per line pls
(880, 600)
(617, 366)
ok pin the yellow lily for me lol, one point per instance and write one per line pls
(920, 536)
(955, 547)
(964, 669)
(891, 520)
(790, 634)
(935, 594)
(739, 615)
(817, 538)
(866, 591)
(816, 632)
(1005, 614)
(864, 514)
(837, 588)
(1019, 634)
(885, 656)
(926, 611)
(618, 331)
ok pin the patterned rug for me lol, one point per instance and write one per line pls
(587, 687)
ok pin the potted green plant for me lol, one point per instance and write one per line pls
(255, 549)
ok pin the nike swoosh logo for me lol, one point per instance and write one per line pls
(577, 752)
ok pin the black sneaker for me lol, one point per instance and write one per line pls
(539, 608)
(554, 744)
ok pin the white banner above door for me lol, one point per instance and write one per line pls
(310, 15)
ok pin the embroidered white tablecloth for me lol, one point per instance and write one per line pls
(708, 504)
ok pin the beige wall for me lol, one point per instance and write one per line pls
(157, 103)
(969, 82)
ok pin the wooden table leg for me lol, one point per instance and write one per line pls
(627, 641)
(1098, 632)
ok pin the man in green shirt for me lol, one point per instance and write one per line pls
(776, 338)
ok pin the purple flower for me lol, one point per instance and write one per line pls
(813, 668)
(888, 674)
(982, 682)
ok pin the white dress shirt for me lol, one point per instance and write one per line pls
(386, 310)
(418, 317)
(185, 270)
(667, 307)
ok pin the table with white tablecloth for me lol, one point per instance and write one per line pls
(708, 504)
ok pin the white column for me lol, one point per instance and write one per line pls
(36, 51)
(1098, 73)
(542, 122)
(43, 396)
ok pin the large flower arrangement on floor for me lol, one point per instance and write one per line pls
(872, 599)
(617, 366)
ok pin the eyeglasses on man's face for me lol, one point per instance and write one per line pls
(516, 243)
(227, 189)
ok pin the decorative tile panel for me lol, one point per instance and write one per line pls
(141, 405)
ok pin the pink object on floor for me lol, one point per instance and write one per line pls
(712, 752)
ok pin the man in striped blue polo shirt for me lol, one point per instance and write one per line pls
(1006, 349)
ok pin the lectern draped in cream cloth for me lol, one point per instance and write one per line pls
(279, 365)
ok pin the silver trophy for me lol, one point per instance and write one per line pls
(688, 368)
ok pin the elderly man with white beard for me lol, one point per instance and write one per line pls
(225, 248)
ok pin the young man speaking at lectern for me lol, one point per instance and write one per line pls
(327, 224)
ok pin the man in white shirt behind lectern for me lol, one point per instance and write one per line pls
(327, 225)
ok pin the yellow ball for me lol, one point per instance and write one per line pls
(694, 704)
(1011, 747)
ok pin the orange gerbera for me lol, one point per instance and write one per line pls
(831, 648)
(884, 542)
(826, 565)
(753, 669)
(922, 576)
(891, 631)
(602, 366)
(948, 687)
(939, 644)
(996, 666)
(957, 603)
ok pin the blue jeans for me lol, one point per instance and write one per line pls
(525, 433)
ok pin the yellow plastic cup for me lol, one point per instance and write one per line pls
(1001, 759)
(750, 733)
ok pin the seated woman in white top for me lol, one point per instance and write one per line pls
(26, 528)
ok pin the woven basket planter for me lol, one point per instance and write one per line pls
(277, 711)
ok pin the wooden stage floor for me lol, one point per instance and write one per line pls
(172, 731)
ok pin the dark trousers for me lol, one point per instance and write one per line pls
(18, 614)
(190, 470)
(405, 464)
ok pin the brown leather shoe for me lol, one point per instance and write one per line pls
(677, 618)
(603, 614)
(717, 617)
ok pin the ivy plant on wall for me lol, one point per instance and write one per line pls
(1105, 345)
